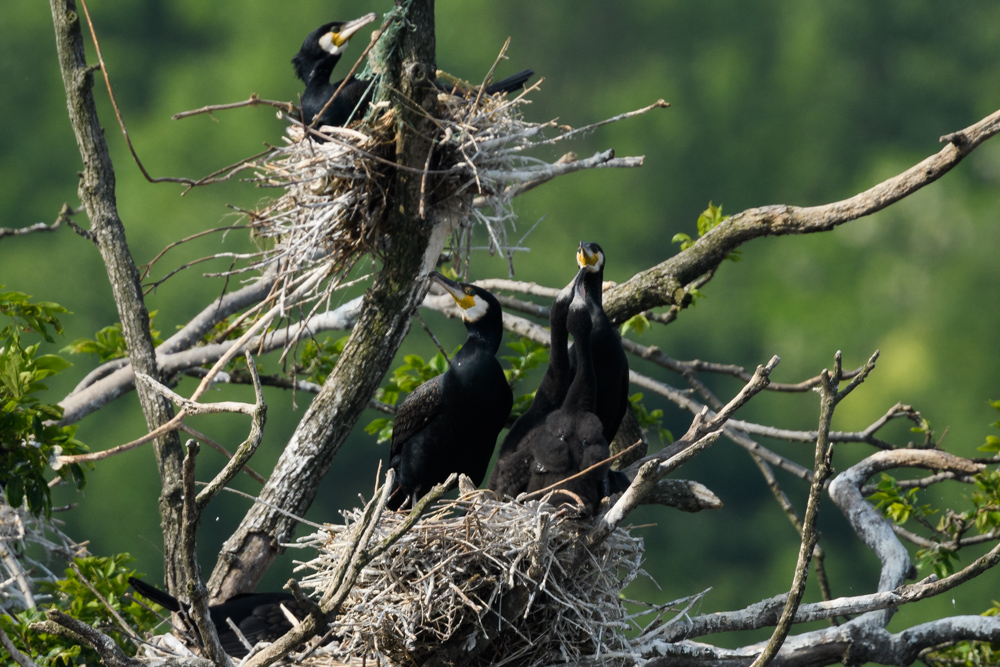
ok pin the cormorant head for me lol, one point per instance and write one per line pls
(590, 256)
(326, 42)
(474, 301)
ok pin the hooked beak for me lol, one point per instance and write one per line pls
(584, 256)
(348, 29)
(455, 289)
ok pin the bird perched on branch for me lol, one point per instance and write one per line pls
(321, 52)
(259, 616)
(450, 423)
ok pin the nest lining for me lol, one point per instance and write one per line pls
(443, 582)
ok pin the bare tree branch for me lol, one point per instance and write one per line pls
(97, 192)
(660, 285)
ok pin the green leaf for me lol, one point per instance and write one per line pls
(992, 444)
(639, 323)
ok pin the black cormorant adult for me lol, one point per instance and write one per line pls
(259, 616)
(610, 362)
(321, 52)
(571, 439)
(314, 64)
(450, 423)
(509, 476)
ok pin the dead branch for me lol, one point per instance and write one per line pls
(661, 284)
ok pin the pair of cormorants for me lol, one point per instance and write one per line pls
(260, 617)
(321, 52)
(451, 422)
(580, 402)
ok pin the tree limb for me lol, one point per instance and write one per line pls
(663, 284)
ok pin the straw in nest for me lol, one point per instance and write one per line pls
(513, 580)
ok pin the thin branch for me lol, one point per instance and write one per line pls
(18, 657)
(822, 469)
(658, 285)
(254, 101)
(702, 433)
(246, 450)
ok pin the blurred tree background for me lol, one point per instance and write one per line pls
(772, 102)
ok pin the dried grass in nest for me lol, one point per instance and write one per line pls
(328, 217)
(439, 587)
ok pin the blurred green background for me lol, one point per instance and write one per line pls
(772, 102)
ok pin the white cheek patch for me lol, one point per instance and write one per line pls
(478, 309)
(327, 44)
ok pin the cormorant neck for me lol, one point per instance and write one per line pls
(594, 284)
(320, 74)
(488, 330)
(582, 394)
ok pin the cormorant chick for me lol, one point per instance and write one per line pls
(510, 474)
(259, 616)
(450, 423)
(571, 439)
(320, 53)
(610, 363)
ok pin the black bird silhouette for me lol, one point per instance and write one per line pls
(450, 423)
(509, 475)
(259, 616)
(610, 363)
(571, 439)
(321, 52)
(314, 64)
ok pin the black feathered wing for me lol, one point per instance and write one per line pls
(415, 412)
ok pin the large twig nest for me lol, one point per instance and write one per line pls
(512, 577)
(335, 190)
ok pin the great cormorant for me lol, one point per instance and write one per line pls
(509, 476)
(321, 52)
(450, 423)
(571, 439)
(259, 616)
(610, 362)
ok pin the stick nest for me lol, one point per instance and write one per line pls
(515, 578)
(335, 192)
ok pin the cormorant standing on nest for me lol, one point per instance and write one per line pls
(320, 53)
(610, 362)
(314, 63)
(450, 423)
(259, 616)
(510, 476)
(571, 439)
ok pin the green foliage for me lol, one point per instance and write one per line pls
(992, 441)
(896, 503)
(109, 576)
(638, 323)
(29, 438)
(983, 516)
(411, 374)
(108, 343)
(650, 420)
(530, 355)
(318, 359)
(968, 654)
(710, 218)
(30, 317)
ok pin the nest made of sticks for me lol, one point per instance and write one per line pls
(477, 568)
(334, 198)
